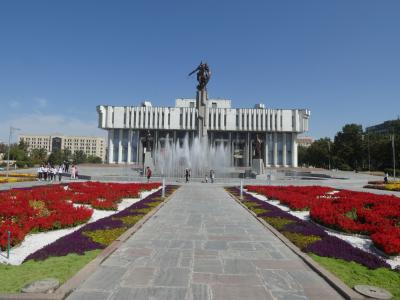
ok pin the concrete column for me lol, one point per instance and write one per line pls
(230, 148)
(110, 146)
(120, 146)
(266, 149)
(294, 150)
(275, 149)
(129, 158)
(284, 149)
(248, 154)
(140, 150)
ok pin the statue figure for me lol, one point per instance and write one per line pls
(257, 147)
(203, 75)
(147, 141)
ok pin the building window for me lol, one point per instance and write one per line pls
(219, 120)
(191, 104)
(214, 105)
(237, 120)
(242, 121)
(169, 119)
(154, 118)
(247, 121)
(144, 119)
(162, 119)
(180, 119)
(281, 121)
(225, 120)
(256, 121)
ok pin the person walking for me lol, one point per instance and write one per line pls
(59, 172)
(148, 173)
(212, 174)
(187, 175)
(73, 172)
(45, 170)
(385, 179)
(39, 172)
(206, 178)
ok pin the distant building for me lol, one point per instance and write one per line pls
(91, 146)
(387, 127)
(305, 141)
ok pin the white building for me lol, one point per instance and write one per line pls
(90, 145)
(237, 128)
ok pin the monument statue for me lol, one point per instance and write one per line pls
(257, 147)
(203, 75)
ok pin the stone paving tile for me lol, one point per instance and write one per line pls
(138, 277)
(231, 292)
(89, 295)
(173, 277)
(104, 279)
(289, 295)
(199, 292)
(238, 266)
(227, 279)
(150, 293)
(203, 245)
(280, 280)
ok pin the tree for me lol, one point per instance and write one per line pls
(67, 155)
(38, 156)
(94, 159)
(79, 157)
(55, 158)
(348, 147)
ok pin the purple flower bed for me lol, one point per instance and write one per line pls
(328, 246)
(79, 243)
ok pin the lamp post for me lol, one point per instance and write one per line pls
(394, 157)
(329, 155)
(9, 146)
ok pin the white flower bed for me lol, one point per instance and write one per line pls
(36, 241)
(359, 242)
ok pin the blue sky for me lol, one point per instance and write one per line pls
(59, 59)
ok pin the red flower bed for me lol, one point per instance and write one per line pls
(106, 195)
(354, 212)
(297, 198)
(52, 207)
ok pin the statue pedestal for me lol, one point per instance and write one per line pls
(148, 162)
(257, 166)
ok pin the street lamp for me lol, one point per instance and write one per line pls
(394, 157)
(12, 129)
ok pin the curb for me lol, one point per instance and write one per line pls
(71, 284)
(331, 279)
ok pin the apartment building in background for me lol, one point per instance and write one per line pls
(90, 145)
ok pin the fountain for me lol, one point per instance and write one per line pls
(172, 159)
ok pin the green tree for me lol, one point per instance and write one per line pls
(348, 147)
(38, 156)
(93, 159)
(55, 158)
(79, 157)
(67, 155)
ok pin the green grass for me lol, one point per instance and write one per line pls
(352, 274)
(13, 278)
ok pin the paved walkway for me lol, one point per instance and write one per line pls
(203, 245)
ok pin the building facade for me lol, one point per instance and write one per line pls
(305, 141)
(91, 146)
(387, 127)
(236, 128)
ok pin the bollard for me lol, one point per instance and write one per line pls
(241, 189)
(163, 188)
(8, 243)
